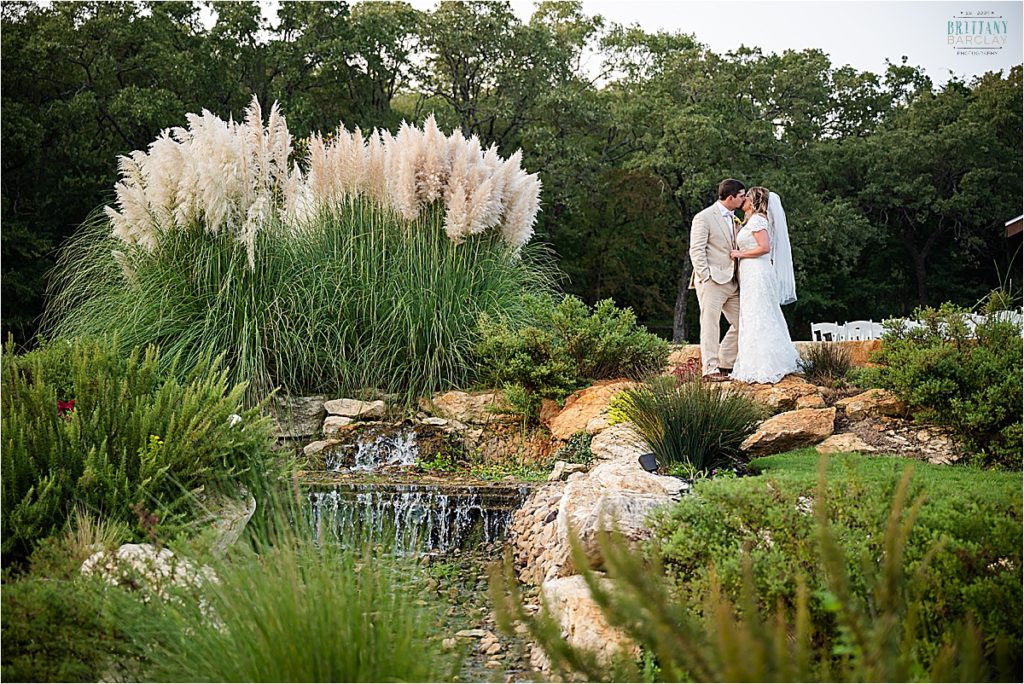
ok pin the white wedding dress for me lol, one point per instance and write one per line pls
(766, 353)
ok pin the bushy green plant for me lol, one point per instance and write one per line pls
(566, 344)
(877, 626)
(521, 402)
(576, 449)
(695, 423)
(62, 631)
(970, 383)
(827, 364)
(974, 515)
(134, 434)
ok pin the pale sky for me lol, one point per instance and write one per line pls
(863, 34)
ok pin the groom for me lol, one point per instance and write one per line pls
(712, 238)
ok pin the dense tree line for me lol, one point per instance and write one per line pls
(896, 189)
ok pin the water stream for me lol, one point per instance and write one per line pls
(365, 487)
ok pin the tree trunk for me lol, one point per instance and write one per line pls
(682, 296)
(922, 278)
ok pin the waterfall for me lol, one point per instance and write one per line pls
(420, 517)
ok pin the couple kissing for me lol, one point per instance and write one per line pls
(743, 269)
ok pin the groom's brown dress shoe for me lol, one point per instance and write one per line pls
(716, 377)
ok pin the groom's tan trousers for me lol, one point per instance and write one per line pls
(716, 299)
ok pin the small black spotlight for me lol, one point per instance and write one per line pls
(648, 462)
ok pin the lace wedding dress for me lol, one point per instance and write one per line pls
(766, 354)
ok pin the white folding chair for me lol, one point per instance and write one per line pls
(823, 332)
(858, 330)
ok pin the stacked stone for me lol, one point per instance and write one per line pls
(533, 536)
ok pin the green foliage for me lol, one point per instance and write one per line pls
(961, 550)
(522, 402)
(876, 625)
(565, 344)
(576, 450)
(357, 298)
(300, 611)
(694, 423)
(61, 631)
(134, 435)
(971, 383)
(827, 364)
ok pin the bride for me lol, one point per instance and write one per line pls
(766, 353)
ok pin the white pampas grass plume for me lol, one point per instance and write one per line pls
(521, 209)
(376, 183)
(402, 154)
(238, 177)
(434, 163)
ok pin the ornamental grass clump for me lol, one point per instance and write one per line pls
(827, 364)
(696, 424)
(304, 612)
(368, 265)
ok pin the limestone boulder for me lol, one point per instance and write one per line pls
(474, 408)
(355, 409)
(586, 410)
(616, 495)
(845, 442)
(334, 425)
(791, 430)
(784, 395)
(563, 470)
(860, 350)
(318, 447)
(810, 401)
(583, 624)
(298, 417)
(874, 402)
(620, 441)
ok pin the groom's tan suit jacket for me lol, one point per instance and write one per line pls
(711, 240)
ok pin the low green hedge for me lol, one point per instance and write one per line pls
(970, 520)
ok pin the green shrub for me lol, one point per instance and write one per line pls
(565, 345)
(827, 364)
(523, 403)
(576, 449)
(874, 631)
(970, 521)
(695, 423)
(970, 383)
(133, 435)
(356, 298)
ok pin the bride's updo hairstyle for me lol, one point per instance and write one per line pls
(758, 197)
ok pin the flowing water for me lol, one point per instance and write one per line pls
(365, 488)
(430, 517)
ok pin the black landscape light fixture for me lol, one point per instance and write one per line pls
(648, 462)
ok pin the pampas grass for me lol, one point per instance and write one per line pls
(238, 178)
(367, 266)
(358, 298)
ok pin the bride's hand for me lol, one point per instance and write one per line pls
(736, 254)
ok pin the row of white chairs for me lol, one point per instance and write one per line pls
(869, 330)
(851, 330)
